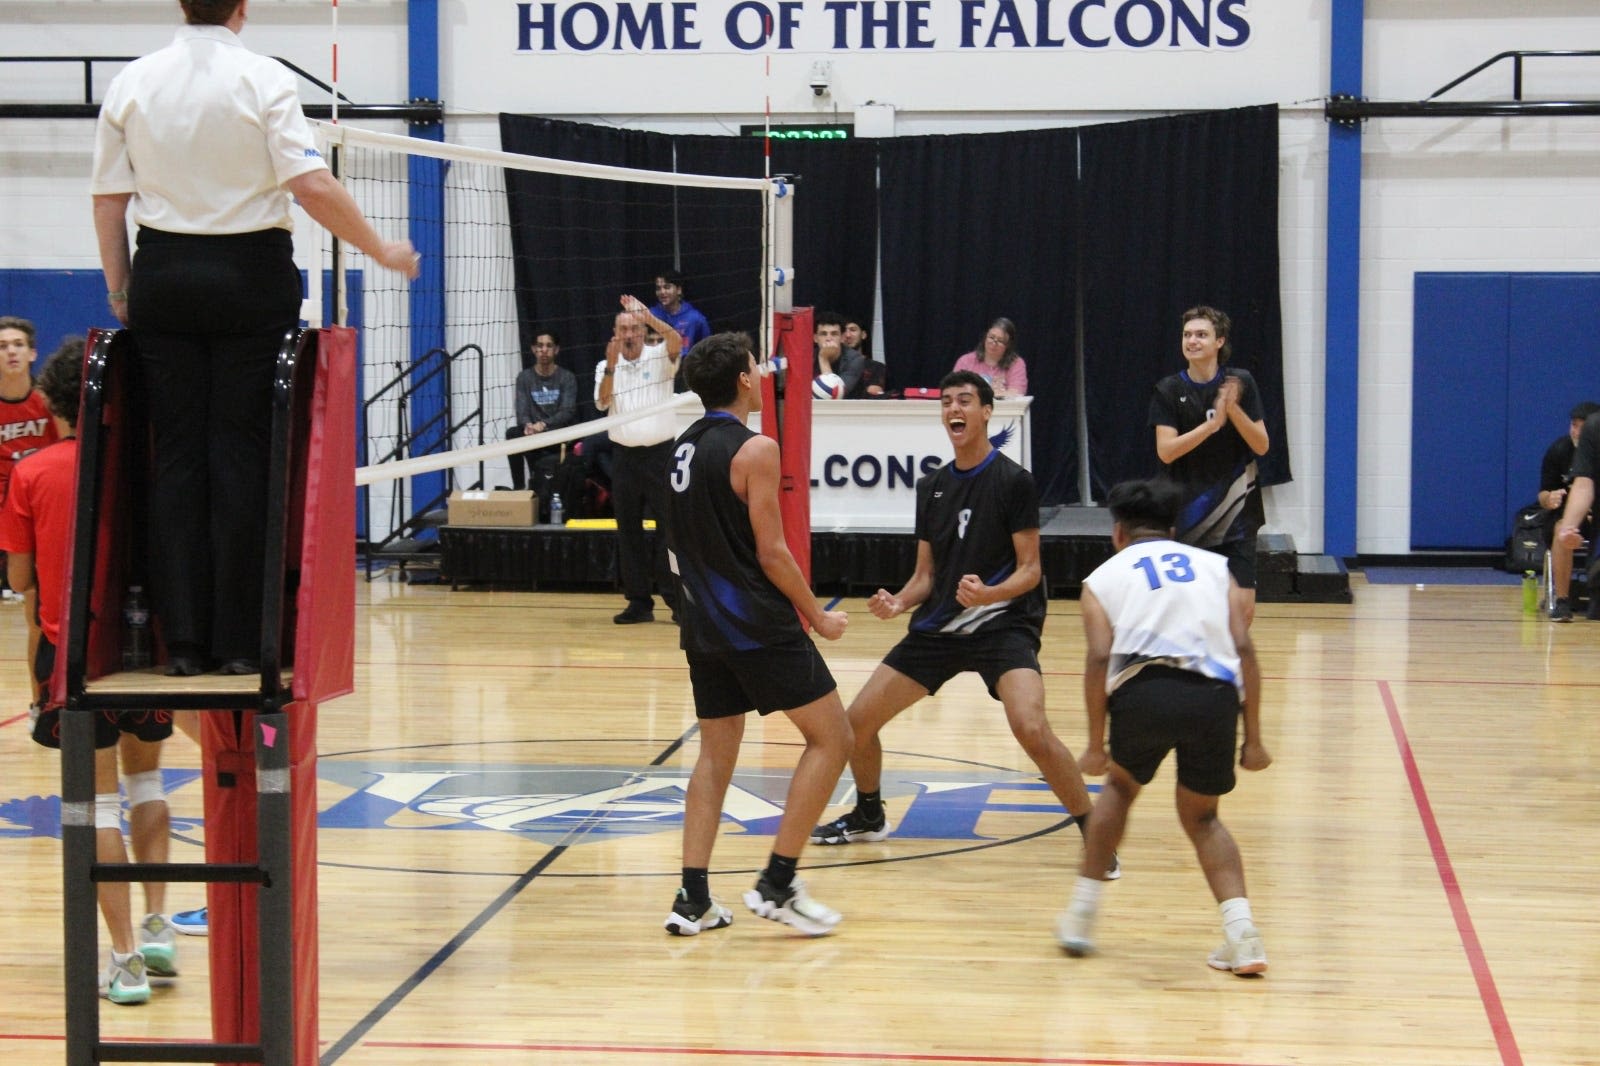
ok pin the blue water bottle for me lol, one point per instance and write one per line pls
(558, 513)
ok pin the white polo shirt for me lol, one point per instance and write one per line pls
(637, 384)
(204, 134)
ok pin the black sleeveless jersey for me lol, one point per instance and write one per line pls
(968, 517)
(727, 602)
(1221, 502)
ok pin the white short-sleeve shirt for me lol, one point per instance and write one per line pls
(204, 134)
(640, 383)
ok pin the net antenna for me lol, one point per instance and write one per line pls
(531, 245)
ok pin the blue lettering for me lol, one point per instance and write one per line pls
(874, 470)
(631, 23)
(1075, 25)
(953, 814)
(1042, 38)
(902, 471)
(889, 23)
(1199, 26)
(763, 25)
(1235, 22)
(970, 11)
(788, 22)
(930, 463)
(840, 10)
(569, 26)
(1158, 23)
(829, 465)
(526, 25)
(683, 26)
(1008, 21)
(917, 24)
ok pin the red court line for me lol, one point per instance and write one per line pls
(13, 719)
(1498, 1023)
(776, 1053)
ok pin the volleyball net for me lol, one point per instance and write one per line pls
(515, 246)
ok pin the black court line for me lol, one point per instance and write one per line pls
(440, 957)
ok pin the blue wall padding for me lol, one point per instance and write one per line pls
(1498, 360)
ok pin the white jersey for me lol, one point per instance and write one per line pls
(1168, 605)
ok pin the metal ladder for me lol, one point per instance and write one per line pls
(110, 483)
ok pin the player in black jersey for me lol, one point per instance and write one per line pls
(746, 649)
(979, 602)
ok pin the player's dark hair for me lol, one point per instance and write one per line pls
(712, 368)
(23, 326)
(957, 378)
(1580, 413)
(61, 380)
(1221, 324)
(827, 318)
(671, 277)
(555, 338)
(208, 12)
(1145, 508)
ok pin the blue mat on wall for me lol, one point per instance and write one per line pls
(1439, 575)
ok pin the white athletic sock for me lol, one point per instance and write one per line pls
(1086, 894)
(1236, 917)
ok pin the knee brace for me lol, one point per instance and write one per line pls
(108, 811)
(144, 788)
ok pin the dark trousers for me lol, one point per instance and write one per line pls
(209, 315)
(534, 468)
(638, 478)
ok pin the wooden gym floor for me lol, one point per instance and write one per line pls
(499, 845)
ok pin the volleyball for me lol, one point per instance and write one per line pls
(827, 387)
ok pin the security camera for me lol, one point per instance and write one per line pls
(821, 74)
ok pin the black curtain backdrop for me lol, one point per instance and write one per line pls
(978, 226)
(1176, 212)
(1163, 214)
(835, 212)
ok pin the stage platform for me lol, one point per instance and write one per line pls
(1073, 541)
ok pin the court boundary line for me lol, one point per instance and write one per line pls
(1488, 993)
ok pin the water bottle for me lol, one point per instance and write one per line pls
(1530, 593)
(135, 629)
(558, 513)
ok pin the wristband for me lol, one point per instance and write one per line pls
(120, 296)
(609, 371)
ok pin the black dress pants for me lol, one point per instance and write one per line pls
(209, 315)
(638, 478)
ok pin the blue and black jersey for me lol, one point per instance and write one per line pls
(1221, 501)
(727, 603)
(967, 517)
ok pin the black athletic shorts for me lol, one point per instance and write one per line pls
(1162, 708)
(931, 660)
(1241, 556)
(777, 678)
(108, 725)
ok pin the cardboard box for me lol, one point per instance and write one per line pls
(494, 507)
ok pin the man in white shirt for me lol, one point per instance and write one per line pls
(634, 377)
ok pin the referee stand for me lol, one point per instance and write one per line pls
(259, 737)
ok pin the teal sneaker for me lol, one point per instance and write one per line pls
(158, 943)
(124, 981)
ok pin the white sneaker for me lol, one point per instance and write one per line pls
(1075, 931)
(124, 981)
(683, 921)
(158, 943)
(792, 906)
(1246, 955)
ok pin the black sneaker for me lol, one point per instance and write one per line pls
(1114, 871)
(1562, 611)
(792, 906)
(688, 919)
(634, 615)
(852, 828)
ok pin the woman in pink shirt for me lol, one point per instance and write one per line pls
(997, 360)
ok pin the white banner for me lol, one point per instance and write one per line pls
(720, 56)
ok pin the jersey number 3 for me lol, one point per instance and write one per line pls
(1174, 567)
(680, 467)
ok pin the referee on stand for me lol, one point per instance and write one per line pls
(205, 141)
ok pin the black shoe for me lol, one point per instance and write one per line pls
(239, 667)
(675, 619)
(1562, 611)
(852, 827)
(186, 664)
(634, 615)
